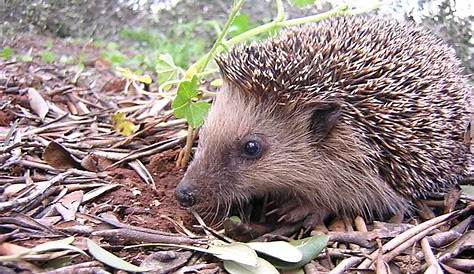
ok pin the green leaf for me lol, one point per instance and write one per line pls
(196, 113)
(125, 72)
(6, 53)
(146, 79)
(48, 57)
(310, 248)
(110, 259)
(187, 90)
(184, 106)
(113, 55)
(235, 219)
(63, 244)
(240, 25)
(65, 59)
(301, 3)
(112, 46)
(262, 267)
(166, 68)
(237, 252)
(278, 249)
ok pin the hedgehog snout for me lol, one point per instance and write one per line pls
(185, 193)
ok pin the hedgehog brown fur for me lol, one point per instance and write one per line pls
(369, 109)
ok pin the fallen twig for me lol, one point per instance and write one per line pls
(39, 190)
(345, 265)
(134, 156)
(461, 264)
(465, 242)
(446, 237)
(433, 265)
(388, 256)
(83, 268)
(134, 236)
(423, 229)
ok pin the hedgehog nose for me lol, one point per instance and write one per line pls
(184, 194)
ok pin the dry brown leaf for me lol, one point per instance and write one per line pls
(58, 157)
(166, 261)
(91, 163)
(7, 249)
(114, 85)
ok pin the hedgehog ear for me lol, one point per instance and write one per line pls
(324, 117)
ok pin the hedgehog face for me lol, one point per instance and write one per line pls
(250, 149)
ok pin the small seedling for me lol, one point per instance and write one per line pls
(48, 56)
(6, 53)
(134, 78)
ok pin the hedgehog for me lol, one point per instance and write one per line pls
(351, 116)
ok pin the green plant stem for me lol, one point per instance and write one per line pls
(341, 10)
(280, 11)
(187, 147)
(202, 63)
(207, 72)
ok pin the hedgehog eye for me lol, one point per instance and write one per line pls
(252, 147)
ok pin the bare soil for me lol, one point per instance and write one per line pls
(138, 204)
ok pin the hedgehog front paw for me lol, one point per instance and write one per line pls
(315, 221)
(294, 214)
(298, 214)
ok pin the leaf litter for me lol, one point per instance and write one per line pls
(70, 166)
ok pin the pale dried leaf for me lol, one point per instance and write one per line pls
(278, 249)
(110, 259)
(13, 189)
(166, 261)
(69, 205)
(262, 267)
(37, 103)
(97, 192)
(142, 171)
(238, 252)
